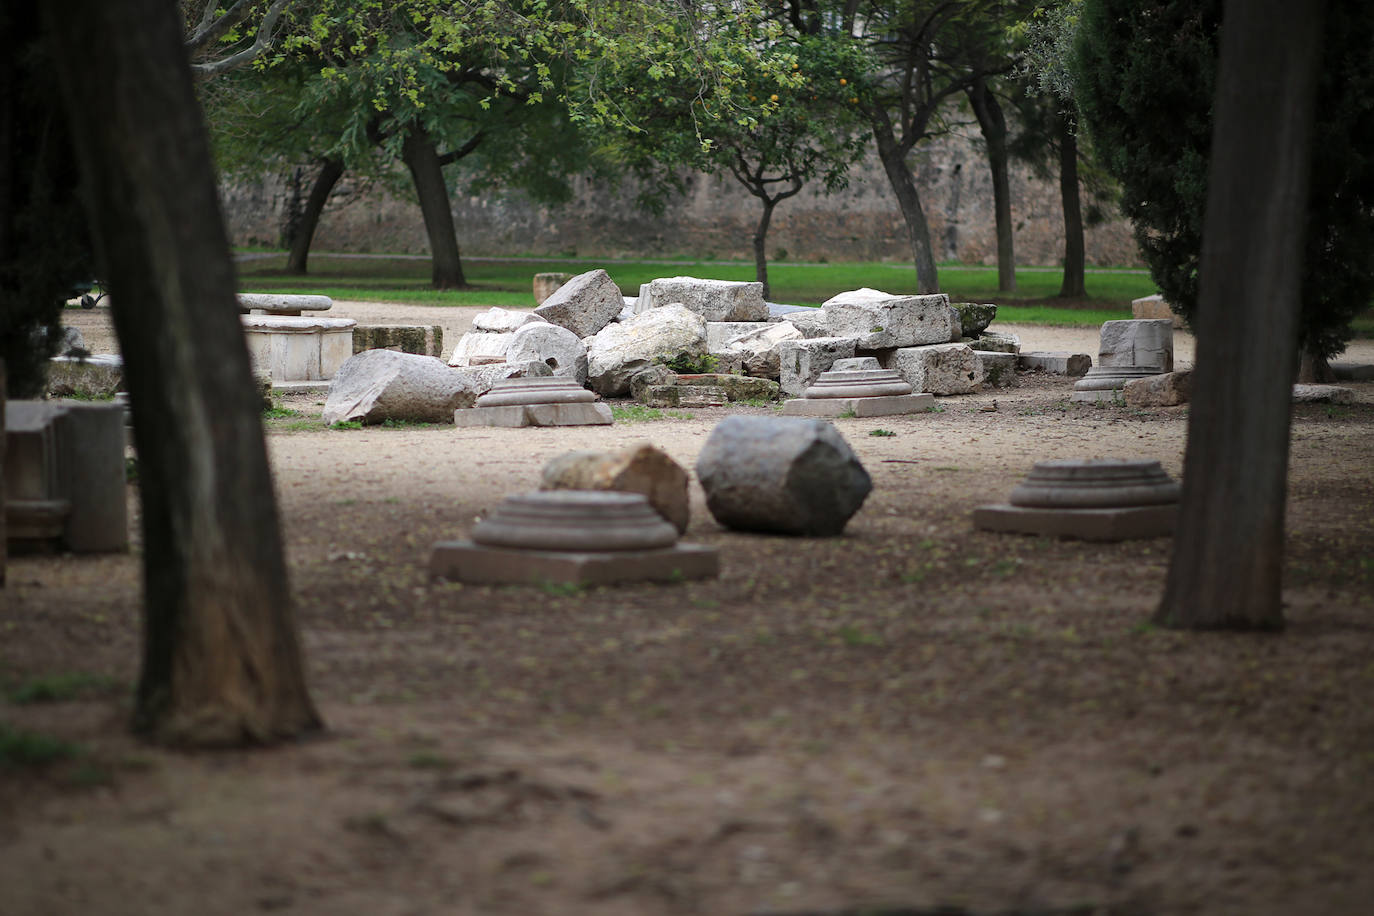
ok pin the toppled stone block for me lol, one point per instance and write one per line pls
(585, 304)
(425, 340)
(811, 322)
(378, 385)
(1155, 307)
(481, 348)
(974, 318)
(736, 387)
(648, 377)
(640, 468)
(522, 415)
(900, 321)
(1167, 390)
(720, 333)
(999, 369)
(786, 475)
(1055, 362)
(1137, 344)
(758, 348)
(1322, 394)
(504, 321)
(713, 300)
(557, 347)
(685, 396)
(93, 377)
(997, 342)
(801, 362)
(880, 406)
(624, 348)
(939, 368)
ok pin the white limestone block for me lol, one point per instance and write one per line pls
(948, 368)
(900, 321)
(622, 349)
(713, 300)
(1146, 343)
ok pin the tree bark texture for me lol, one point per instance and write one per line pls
(222, 662)
(422, 158)
(893, 156)
(993, 125)
(761, 245)
(1226, 570)
(1074, 284)
(329, 174)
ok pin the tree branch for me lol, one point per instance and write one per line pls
(261, 43)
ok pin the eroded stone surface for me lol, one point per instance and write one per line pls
(1132, 343)
(480, 348)
(801, 362)
(900, 321)
(1155, 307)
(551, 390)
(505, 321)
(378, 385)
(974, 318)
(736, 387)
(882, 406)
(546, 284)
(624, 348)
(560, 349)
(786, 475)
(426, 340)
(940, 368)
(1055, 362)
(758, 348)
(641, 468)
(1319, 394)
(685, 396)
(999, 369)
(998, 342)
(1167, 390)
(713, 300)
(585, 304)
(1107, 383)
(284, 304)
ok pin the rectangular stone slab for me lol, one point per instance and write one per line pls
(1083, 524)
(1056, 363)
(890, 406)
(464, 561)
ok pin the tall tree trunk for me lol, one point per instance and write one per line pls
(994, 128)
(422, 158)
(761, 243)
(1074, 284)
(221, 662)
(1226, 570)
(329, 174)
(893, 157)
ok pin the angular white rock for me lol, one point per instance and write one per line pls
(852, 296)
(620, 350)
(811, 322)
(585, 304)
(899, 321)
(758, 349)
(379, 385)
(939, 369)
(504, 321)
(556, 347)
(713, 300)
(480, 348)
(801, 362)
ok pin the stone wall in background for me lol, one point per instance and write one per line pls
(714, 219)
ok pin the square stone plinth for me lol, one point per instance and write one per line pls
(464, 561)
(1094, 396)
(1083, 524)
(890, 406)
(517, 415)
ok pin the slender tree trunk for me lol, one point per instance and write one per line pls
(422, 158)
(994, 128)
(1074, 285)
(893, 157)
(1313, 369)
(222, 662)
(761, 244)
(1226, 570)
(328, 176)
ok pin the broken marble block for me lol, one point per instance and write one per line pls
(1168, 389)
(640, 468)
(899, 321)
(801, 362)
(997, 342)
(585, 304)
(783, 475)
(557, 347)
(713, 300)
(480, 348)
(378, 385)
(504, 321)
(626, 347)
(1137, 344)
(758, 348)
(942, 369)
(974, 318)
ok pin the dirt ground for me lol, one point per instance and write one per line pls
(912, 716)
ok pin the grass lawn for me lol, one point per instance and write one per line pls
(506, 283)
